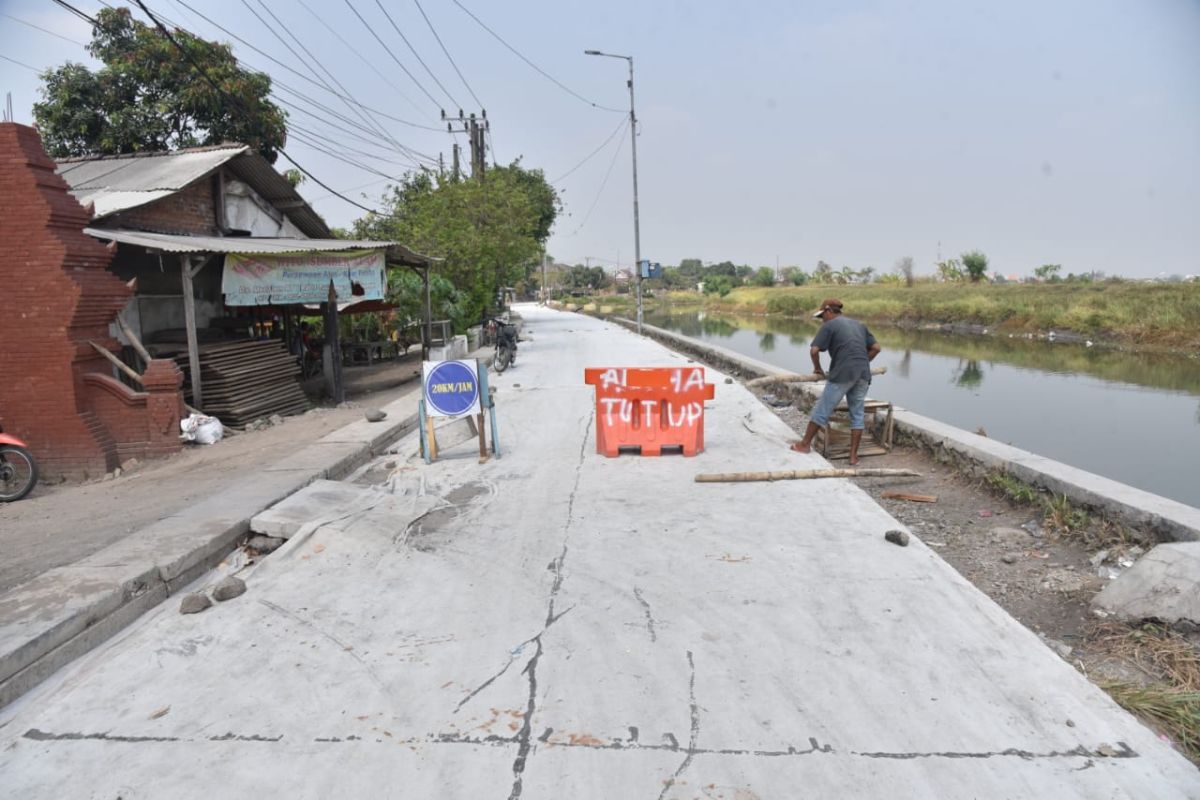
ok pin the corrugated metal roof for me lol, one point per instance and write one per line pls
(122, 182)
(170, 243)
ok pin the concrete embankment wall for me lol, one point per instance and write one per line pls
(1160, 517)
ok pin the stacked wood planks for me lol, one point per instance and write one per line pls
(248, 379)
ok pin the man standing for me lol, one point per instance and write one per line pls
(851, 349)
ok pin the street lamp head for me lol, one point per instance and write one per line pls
(592, 53)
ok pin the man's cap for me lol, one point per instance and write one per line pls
(830, 304)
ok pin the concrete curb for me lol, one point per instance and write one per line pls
(60, 615)
(1161, 517)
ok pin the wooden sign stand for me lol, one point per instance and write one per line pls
(487, 406)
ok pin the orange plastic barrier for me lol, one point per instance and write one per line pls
(649, 408)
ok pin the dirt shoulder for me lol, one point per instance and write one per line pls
(1044, 573)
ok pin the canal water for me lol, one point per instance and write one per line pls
(1134, 418)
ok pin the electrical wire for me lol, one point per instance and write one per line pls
(387, 140)
(44, 30)
(370, 64)
(590, 155)
(238, 103)
(399, 63)
(415, 53)
(77, 12)
(20, 63)
(613, 163)
(291, 69)
(538, 69)
(349, 99)
(352, 188)
(447, 52)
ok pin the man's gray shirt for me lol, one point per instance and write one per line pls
(847, 342)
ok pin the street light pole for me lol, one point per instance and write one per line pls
(637, 235)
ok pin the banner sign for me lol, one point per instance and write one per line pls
(259, 280)
(451, 388)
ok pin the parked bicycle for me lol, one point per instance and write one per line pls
(18, 469)
(504, 335)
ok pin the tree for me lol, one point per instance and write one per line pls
(718, 285)
(150, 97)
(486, 232)
(823, 273)
(691, 266)
(975, 263)
(866, 274)
(764, 276)
(795, 276)
(1047, 272)
(904, 267)
(950, 270)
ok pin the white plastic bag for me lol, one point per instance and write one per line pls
(201, 429)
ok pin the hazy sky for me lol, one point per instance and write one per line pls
(1062, 131)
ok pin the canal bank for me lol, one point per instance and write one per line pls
(1159, 517)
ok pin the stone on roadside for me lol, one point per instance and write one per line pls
(265, 544)
(275, 419)
(729, 380)
(229, 588)
(897, 537)
(194, 603)
(1010, 558)
(1161, 585)
(375, 415)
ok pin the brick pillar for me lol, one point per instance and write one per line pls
(163, 382)
(57, 294)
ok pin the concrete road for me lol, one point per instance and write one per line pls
(557, 624)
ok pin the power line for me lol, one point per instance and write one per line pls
(381, 136)
(44, 30)
(305, 98)
(360, 56)
(353, 188)
(539, 70)
(348, 131)
(590, 155)
(238, 103)
(399, 63)
(20, 63)
(415, 53)
(461, 77)
(294, 71)
(77, 12)
(349, 100)
(613, 163)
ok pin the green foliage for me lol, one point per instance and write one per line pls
(764, 276)
(720, 285)
(581, 277)
(975, 263)
(407, 291)
(1047, 272)
(691, 266)
(794, 276)
(149, 97)
(823, 273)
(1013, 488)
(950, 270)
(486, 232)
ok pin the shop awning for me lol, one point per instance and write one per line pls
(253, 245)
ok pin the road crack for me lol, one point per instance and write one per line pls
(695, 734)
(649, 617)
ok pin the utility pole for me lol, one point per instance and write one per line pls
(637, 236)
(545, 288)
(476, 129)
(457, 173)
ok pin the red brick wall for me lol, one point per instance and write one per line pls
(57, 296)
(188, 211)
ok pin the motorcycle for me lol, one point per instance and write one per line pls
(505, 337)
(18, 469)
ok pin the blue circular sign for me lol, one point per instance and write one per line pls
(452, 388)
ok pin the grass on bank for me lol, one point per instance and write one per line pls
(1171, 701)
(1140, 313)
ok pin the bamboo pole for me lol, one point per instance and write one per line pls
(796, 378)
(134, 340)
(803, 474)
(133, 376)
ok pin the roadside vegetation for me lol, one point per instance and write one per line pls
(1156, 315)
